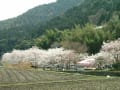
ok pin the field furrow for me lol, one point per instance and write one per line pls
(33, 75)
(5, 76)
(17, 79)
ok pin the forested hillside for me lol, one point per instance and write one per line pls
(97, 12)
(24, 26)
(39, 14)
(70, 26)
(70, 29)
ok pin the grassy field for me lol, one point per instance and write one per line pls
(14, 79)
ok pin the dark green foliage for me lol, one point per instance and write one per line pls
(88, 39)
(116, 66)
(47, 40)
(96, 12)
(25, 44)
(97, 72)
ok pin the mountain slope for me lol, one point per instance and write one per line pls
(39, 14)
(25, 26)
(96, 12)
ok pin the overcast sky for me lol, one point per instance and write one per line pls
(12, 8)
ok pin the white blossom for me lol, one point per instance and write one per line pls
(39, 57)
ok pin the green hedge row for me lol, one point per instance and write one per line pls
(97, 73)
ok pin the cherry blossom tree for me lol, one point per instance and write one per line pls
(40, 58)
(113, 48)
(103, 59)
(109, 54)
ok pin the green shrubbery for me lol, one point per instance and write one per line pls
(116, 66)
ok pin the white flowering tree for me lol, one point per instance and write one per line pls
(40, 58)
(113, 48)
(103, 59)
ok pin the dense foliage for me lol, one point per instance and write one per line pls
(96, 12)
(88, 39)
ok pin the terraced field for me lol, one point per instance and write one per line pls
(24, 76)
(14, 79)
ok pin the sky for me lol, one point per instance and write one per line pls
(13, 8)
